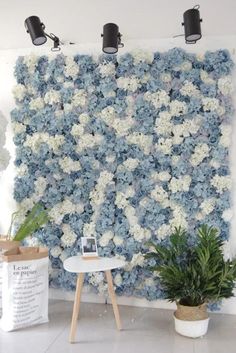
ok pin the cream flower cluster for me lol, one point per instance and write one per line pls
(128, 83)
(97, 195)
(210, 104)
(71, 68)
(142, 56)
(160, 195)
(107, 69)
(178, 108)
(88, 141)
(121, 126)
(164, 145)
(58, 212)
(52, 97)
(201, 151)
(143, 141)
(163, 231)
(179, 217)
(37, 103)
(225, 85)
(19, 92)
(208, 205)
(221, 183)
(18, 128)
(131, 163)
(225, 139)
(68, 165)
(69, 237)
(105, 238)
(30, 61)
(158, 99)
(163, 124)
(35, 141)
(189, 89)
(180, 184)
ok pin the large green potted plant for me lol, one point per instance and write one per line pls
(193, 276)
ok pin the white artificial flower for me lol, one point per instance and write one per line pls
(69, 237)
(40, 185)
(160, 195)
(105, 238)
(30, 61)
(71, 68)
(221, 183)
(199, 216)
(118, 280)
(84, 119)
(225, 138)
(68, 165)
(89, 229)
(52, 97)
(128, 83)
(175, 159)
(117, 240)
(18, 128)
(140, 234)
(108, 115)
(186, 66)
(189, 89)
(164, 145)
(58, 211)
(138, 260)
(163, 124)
(121, 200)
(178, 108)
(144, 142)
(225, 85)
(107, 69)
(210, 104)
(129, 212)
(140, 55)
(158, 99)
(201, 151)
(22, 169)
(131, 163)
(56, 251)
(208, 205)
(19, 92)
(88, 141)
(166, 77)
(163, 231)
(180, 184)
(36, 104)
(77, 130)
(79, 98)
(205, 77)
(110, 159)
(227, 215)
(214, 163)
(68, 84)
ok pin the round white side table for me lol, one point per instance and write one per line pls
(77, 264)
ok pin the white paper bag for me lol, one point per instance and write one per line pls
(4, 246)
(24, 288)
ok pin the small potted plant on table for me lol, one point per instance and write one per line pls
(193, 276)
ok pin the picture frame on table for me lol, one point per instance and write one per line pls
(89, 247)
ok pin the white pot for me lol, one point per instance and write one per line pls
(192, 329)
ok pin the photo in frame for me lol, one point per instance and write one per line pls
(89, 247)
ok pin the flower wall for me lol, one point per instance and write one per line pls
(124, 149)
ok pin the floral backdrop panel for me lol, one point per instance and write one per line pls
(124, 149)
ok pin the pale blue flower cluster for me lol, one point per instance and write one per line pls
(123, 148)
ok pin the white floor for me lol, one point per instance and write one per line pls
(144, 330)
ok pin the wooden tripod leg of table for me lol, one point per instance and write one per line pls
(113, 299)
(76, 307)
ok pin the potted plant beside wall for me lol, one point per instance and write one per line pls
(193, 276)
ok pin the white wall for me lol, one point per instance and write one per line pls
(7, 81)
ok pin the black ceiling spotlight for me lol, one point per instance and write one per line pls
(111, 38)
(192, 25)
(36, 29)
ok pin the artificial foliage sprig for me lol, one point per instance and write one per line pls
(195, 274)
(36, 218)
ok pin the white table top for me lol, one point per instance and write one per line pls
(79, 265)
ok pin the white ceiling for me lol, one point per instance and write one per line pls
(81, 21)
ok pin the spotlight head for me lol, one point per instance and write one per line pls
(35, 28)
(111, 38)
(192, 25)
